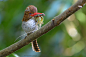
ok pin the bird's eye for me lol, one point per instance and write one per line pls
(29, 13)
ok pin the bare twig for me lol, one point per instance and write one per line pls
(50, 25)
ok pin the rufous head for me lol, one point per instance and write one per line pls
(31, 9)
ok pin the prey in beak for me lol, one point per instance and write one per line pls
(39, 18)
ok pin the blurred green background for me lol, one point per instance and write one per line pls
(67, 39)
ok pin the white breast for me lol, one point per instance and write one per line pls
(29, 26)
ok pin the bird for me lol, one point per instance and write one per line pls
(31, 22)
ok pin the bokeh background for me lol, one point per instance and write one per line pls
(67, 39)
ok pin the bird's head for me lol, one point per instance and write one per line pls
(28, 12)
(31, 11)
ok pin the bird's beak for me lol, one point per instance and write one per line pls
(37, 14)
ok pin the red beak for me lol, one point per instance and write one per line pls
(38, 14)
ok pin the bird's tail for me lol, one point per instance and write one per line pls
(35, 46)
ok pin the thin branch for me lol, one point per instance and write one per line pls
(50, 25)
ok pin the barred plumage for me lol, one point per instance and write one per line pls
(35, 46)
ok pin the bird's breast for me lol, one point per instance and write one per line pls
(29, 26)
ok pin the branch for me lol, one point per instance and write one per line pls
(50, 25)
